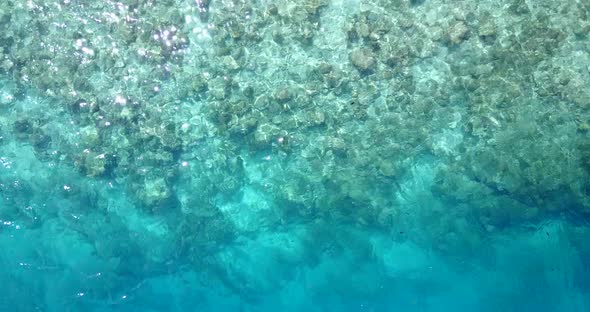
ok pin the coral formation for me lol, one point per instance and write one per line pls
(328, 107)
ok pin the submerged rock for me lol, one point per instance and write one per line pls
(362, 59)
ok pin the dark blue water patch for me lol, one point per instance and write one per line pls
(55, 268)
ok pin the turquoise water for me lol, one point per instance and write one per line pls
(318, 155)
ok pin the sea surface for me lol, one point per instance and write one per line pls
(312, 155)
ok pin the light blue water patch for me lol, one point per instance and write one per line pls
(336, 267)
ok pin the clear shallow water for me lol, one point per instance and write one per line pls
(313, 156)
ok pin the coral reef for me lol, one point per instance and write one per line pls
(326, 106)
